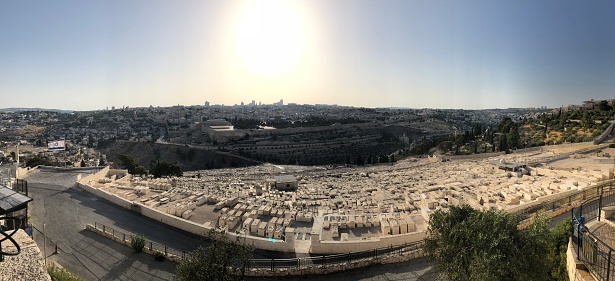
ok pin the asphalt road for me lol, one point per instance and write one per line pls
(65, 210)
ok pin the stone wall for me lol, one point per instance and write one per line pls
(21, 173)
(186, 225)
(95, 176)
(576, 270)
(336, 247)
(27, 265)
(326, 269)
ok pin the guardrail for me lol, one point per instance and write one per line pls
(598, 257)
(277, 264)
(564, 201)
(338, 259)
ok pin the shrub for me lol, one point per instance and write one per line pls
(612, 145)
(137, 243)
(159, 256)
(61, 274)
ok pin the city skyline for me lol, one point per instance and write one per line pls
(415, 54)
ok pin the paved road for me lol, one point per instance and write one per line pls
(66, 210)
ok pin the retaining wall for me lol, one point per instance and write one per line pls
(336, 247)
(177, 222)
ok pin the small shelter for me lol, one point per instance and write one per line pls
(285, 183)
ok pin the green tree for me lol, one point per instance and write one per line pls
(137, 243)
(162, 169)
(224, 259)
(127, 162)
(466, 244)
(445, 146)
(37, 160)
(603, 105)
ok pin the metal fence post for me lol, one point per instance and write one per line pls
(124, 237)
(608, 265)
(579, 239)
(600, 205)
(272, 265)
(103, 228)
(150, 245)
(165, 250)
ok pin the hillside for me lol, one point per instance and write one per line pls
(188, 159)
(567, 125)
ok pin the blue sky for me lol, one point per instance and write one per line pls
(85, 55)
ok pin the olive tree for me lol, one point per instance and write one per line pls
(467, 244)
(223, 259)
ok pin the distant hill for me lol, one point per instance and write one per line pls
(188, 159)
(19, 109)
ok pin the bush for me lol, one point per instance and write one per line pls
(159, 256)
(61, 274)
(137, 243)
(612, 145)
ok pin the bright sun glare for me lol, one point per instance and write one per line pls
(270, 36)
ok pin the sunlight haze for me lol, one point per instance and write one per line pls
(86, 55)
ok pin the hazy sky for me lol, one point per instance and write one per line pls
(471, 54)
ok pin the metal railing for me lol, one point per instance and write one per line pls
(598, 257)
(337, 259)
(151, 245)
(294, 263)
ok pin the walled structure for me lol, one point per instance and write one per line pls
(339, 210)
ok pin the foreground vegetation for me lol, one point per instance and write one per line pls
(61, 274)
(467, 244)
(224, 259)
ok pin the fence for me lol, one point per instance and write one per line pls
(332, 260)
(153, 246)
(564, 201)
(597, 256)
(275, 264)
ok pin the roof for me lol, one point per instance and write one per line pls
(11, 200)
(285, 178)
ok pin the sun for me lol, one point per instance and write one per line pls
(270, 37)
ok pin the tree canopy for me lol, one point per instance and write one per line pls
(466, 244)
(224, 260)
(162, 169)
(127, 162)
(37, 160)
